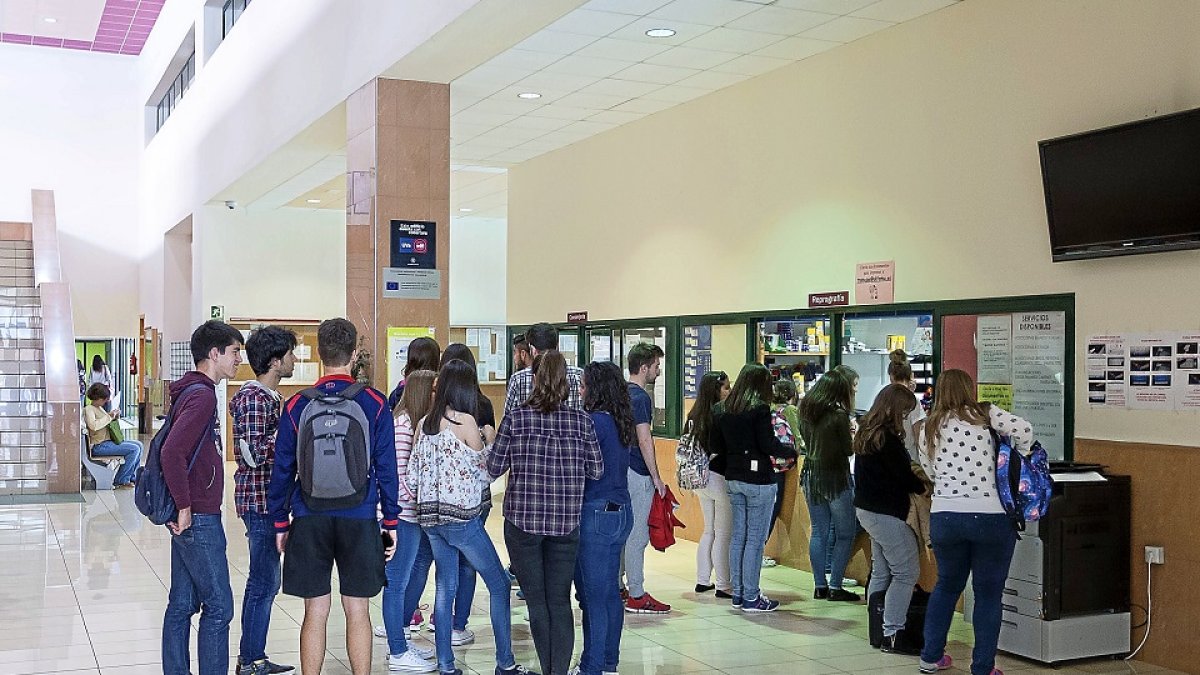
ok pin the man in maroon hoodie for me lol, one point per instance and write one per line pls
(194, 467)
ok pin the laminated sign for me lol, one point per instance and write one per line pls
(875, 283)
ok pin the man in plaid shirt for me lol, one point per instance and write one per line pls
(540, 337)
(255, 412)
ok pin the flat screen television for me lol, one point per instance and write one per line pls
(1132, 188)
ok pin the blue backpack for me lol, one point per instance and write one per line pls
(1024, 483)
(150, 494)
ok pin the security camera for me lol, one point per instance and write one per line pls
(230, 204)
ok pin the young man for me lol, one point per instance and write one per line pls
(255, 413)
(540, 337)
(521, 358)
(320, 535)
(199, 567)
(644, 361)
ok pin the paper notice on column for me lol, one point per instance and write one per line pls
(1038, 372)
(1151, 371)
(473, 337)
(1187, 372)
(994, 336)
(1107, 366)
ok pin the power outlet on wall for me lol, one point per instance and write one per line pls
(1155, 555)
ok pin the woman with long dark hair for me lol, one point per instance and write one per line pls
(825, 419)
(445, 476)
(883, 482)
(971, 532)
(712, 556)
(746, 450)
(100, 374)
(605, 520)
(423, 354)
(549, 450)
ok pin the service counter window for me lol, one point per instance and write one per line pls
(568, 344)
(869, 339)
(796, 347)
(710, 347)
(658, 391)
(1019, 361)
(603, 344)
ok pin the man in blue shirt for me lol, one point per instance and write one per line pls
(644, 362)
(315, 539)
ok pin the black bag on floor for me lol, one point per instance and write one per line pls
(914, 626)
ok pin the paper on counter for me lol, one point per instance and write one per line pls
(1079, 477)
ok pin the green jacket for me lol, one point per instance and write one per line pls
(826, 472)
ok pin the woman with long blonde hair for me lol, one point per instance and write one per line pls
(971, 532)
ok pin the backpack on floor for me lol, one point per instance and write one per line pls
(914, 624)
(150, 494)
(1024, 483)
(332, 454)
(691, 462)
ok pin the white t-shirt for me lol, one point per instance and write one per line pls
(963, 469)
(910, 437)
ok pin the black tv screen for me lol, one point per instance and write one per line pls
(1133, 188)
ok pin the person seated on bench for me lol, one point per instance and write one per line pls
(100, 439)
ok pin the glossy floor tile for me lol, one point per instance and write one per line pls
(82, 591)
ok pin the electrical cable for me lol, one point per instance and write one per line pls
(1149, 609)
(1140, 624)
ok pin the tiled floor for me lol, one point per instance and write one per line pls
(82, 592)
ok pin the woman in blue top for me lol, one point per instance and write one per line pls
(606, 520)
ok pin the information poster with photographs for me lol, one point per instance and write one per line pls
(1148, 371)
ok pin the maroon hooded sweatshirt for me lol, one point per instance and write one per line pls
(195, 417)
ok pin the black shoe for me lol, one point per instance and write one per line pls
(898, 644)
(724, 595)
(701, 588)
(842, 595)
(515, 670)
(821, 593)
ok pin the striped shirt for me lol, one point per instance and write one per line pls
(404, 443)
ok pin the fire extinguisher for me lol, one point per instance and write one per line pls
(133, 364)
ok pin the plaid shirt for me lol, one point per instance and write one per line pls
(520, 388)
(549, 456)
(255, 412)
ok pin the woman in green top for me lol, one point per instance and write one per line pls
(825, 415)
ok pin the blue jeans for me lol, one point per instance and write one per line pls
(419, 577)
(262, 585)
(979, 544)
(831, 519)
(398, 570)
(131, 450)
(603, 530)
(470, 541)
(751, 505)
(199, 580)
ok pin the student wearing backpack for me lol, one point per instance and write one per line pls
(193, 467)
(712, 555)
(971, 532)
(335, 465)
(255, 413)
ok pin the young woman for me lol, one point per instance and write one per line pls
(883, 481)
(970, 531)
(423, 354)
(445, 477)
(713, 554)
(784, 408)
(550, 450)
(746, 450)
(900, 372)
(825, 428)
(605, 520)
(100, 374)
(97, 420)
(402, 656)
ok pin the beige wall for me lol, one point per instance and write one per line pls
(917, 144)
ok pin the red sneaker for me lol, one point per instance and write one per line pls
(646, 605)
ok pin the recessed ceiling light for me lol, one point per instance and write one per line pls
(466, 210)
(660, 32)
(50, 19)
(313, 201)
(529, 95)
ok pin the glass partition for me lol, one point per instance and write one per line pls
(658, 391)
(867, 341)
(604, 344)
(710, 347)
(795, 347)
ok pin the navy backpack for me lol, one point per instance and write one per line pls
(150, 494)
(1024, 483)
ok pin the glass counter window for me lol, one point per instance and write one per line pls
(867, 342)
(796, 348)
(706, 348)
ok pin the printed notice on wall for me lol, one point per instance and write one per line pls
(994, 337)
(875, 282)
(1039, 344)
(997, 394)
(1144, 371)
(1151, 372)
(398, 339)
(1187, 372)
(1106, 369)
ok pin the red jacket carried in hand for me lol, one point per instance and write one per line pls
(662, 520)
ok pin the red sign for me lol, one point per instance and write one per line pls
(577, 317)
(830, 299)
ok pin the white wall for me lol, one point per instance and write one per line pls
(70, 122)
(478, 269)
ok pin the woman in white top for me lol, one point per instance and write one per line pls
(97, 419)
(100, 374)
(900, 372)
(971, 532)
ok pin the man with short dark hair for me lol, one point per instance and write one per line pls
(320, 534)
(193, 464)
(643, 361)
(255, 413)
(540, 337)
(521, 358)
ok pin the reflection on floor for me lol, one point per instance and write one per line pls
(82, 592)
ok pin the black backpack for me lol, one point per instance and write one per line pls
(332, 455)
(151, 495)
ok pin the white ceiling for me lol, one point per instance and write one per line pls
(73, 19)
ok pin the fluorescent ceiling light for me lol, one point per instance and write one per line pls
(313, 201)
(466, 210)
(50, 19)
(660, 32)
(529, 95)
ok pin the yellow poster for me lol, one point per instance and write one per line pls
(997, 394)
(398, 339)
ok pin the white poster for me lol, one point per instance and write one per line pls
(1107, 365)
(1151, 371)
(994, 349)
(1039, 347)
(1187, 372)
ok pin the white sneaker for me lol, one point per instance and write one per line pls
(849, 583)
(409, 662)
(426, 653)
(380, 631)
(462, 637)
(768, 562)
(574, 670)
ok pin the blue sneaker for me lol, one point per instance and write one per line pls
(737, 602)
(760, 604)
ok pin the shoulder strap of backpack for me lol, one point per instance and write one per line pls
(171, 415)
(352, 392)
(312, 393)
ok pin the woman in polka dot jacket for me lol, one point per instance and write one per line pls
(970, 531)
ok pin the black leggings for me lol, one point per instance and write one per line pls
(780, 479)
